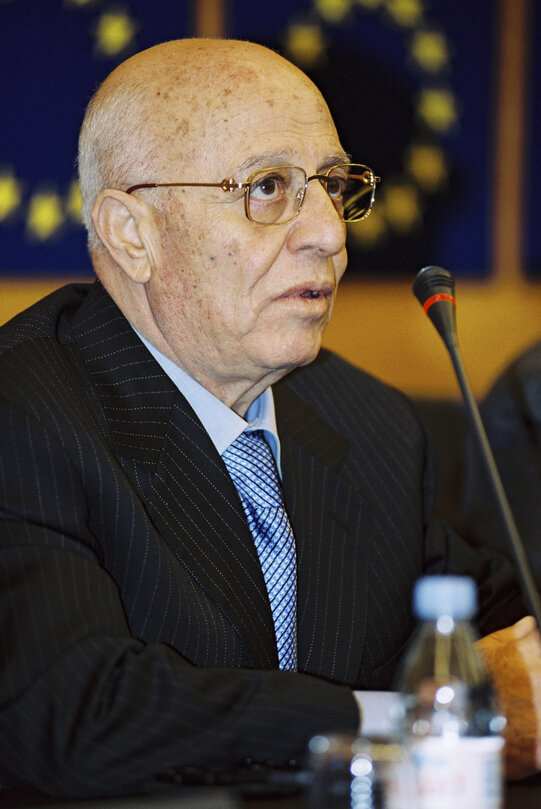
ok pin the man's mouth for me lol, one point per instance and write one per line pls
(310, 293)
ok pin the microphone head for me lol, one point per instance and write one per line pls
(434, 288)
(432, 281)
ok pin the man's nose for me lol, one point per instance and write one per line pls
(318, 224)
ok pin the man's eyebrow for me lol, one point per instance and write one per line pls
(335, 159)
(283, 158)
(280, 158)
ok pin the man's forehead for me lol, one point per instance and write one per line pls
(265, 103)
(253, 112)
(265, 130)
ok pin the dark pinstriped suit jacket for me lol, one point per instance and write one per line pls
(136, 634)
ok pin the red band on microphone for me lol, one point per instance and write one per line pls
(441, 296)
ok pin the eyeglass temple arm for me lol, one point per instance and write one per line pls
(228, 184)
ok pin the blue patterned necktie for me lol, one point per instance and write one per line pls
(251, 465)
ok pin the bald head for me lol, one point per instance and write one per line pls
(167, 107)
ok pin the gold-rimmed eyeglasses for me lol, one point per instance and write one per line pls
(274, 195)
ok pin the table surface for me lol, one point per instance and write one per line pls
(518, 795)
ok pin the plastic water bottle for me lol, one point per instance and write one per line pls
(450, 727)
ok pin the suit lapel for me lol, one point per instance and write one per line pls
(330, 522)
(171, 460)
(196, 506)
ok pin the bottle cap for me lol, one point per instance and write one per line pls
(434, 596)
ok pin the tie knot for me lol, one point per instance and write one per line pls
(253, 470)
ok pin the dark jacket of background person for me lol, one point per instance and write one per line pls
(511, 413)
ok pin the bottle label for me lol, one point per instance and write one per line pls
(446, 773)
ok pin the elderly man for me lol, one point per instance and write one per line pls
(160, 606)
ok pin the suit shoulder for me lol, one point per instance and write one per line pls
(39, 371)
(42, 320)
(356, 403)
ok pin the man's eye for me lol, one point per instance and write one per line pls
(336, 186)
(269, 187)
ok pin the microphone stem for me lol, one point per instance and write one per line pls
(529, 589)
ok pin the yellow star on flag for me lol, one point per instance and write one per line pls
(426, 163)
(402, 207)
(368, 232)
(438, 108)
(429, 49)
(305, 43)
(405, 12)
(333, 10)
(115, 31)
(45, 215)
(10, 194)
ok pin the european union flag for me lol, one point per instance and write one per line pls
(410, 85)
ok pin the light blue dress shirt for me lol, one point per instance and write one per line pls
(221, 423)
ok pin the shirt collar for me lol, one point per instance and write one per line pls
(221, 423)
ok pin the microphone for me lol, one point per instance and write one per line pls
(434, 288)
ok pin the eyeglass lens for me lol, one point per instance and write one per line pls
(276, 194)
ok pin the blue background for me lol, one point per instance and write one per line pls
(50, 68)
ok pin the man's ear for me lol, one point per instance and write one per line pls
(120, 220)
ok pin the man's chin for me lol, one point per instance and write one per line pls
(298, 358)
(282, 353)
